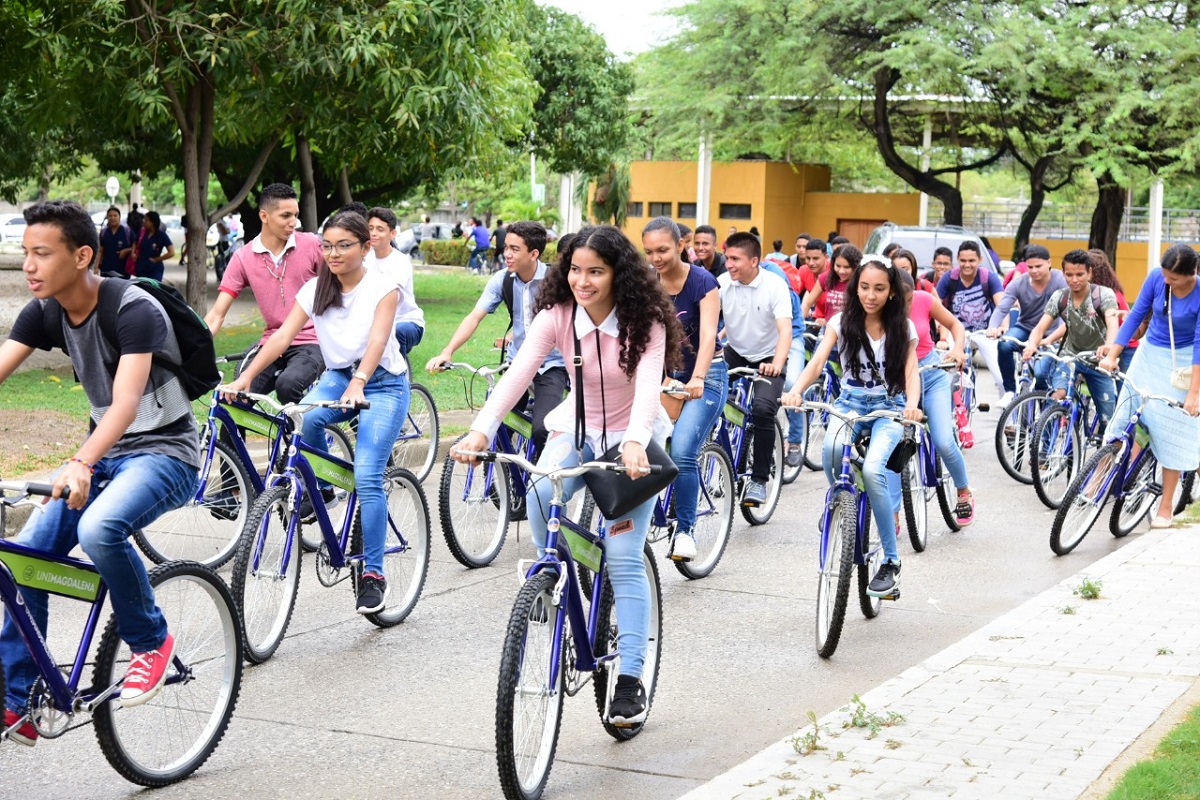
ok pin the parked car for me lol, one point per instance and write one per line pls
(173, 225)
(922, 241)
(441, 230)
(12, 229)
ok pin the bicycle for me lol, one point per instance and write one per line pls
(1014, 430)
(266, 568)
(539, 662)
(847, 540)
(1113, 471)
(416, 446)
(171, 736)
(825, 390)
(1061, 434)
(735, 436)
(924, 476)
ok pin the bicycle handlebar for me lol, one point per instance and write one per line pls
(233, 358)
(552, 472)
(1146, 396)
(749, 372)
(481, 371)
(287, 408)
(23, 489)
(881, 413)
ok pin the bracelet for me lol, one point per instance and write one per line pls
(90, 467)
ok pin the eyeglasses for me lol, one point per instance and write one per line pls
(341, 248)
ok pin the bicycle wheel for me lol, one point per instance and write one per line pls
(206, 528)
(1187, 483)
(759, 515)
(1138, 497)
(790, 474)
(714, 512)
(1057, 451)
(605, 679)
(945, 490)
(833, 582)
(416, 447)
(916, 504)
(1014, 434)
(406, 548)
(872, 561)
(818, 426)
(266, 573)
(528, 702)
(474, 505)
(168, 738)
(337, 442)
(1085, 499)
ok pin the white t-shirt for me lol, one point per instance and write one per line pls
(750, 311)
(398, 267)
(865, 379)
(343, 332)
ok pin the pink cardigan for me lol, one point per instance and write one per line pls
(632, 406)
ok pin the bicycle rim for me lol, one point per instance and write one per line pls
(266, 574)
(416, 447)
(714, 512)
(1084, 500)
(474, 506)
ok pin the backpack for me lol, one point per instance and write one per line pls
(197, 369)
(1064, 297)
(952, 288)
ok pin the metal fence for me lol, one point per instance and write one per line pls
(1074, 221)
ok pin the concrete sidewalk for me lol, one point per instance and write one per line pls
(1037, 704)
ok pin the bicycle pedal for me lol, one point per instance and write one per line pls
(893, 596)
(984, 407)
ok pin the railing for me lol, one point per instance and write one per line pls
(1073, 221)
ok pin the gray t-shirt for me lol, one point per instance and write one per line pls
(164, 422)
(1032, 302)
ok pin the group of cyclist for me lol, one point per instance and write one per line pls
(602, 329)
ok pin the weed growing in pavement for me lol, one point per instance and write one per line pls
(1087, 589)
(967, 762)
(858, 770)
(815, 794)
(1165, 651)
(783, 791)
(808, 743)
(1068, 610)
(758, 782)
(893, 744)
(1079, 752)
(839, 756)
(862, 717)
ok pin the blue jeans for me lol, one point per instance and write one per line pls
(623, 552)
(409, 335)
(478, 259)
(378, 427)
(140, 489)
(938, 403)
(795, 365)
(882, 485)
(1104, 391)
(1007, 353)
(692, 430)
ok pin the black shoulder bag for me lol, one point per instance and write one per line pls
(615, 494)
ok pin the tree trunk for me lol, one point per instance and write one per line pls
(195, 193)
(1037, 199)
(344, 195)
(308, 184)
(1106, 219)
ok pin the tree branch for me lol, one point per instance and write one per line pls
(251, 179)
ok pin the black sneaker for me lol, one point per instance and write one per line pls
(372, 593)
(795, 454)
(223, 505)
(886, 581)
(628, 706)
(308, 514)
(755, 494)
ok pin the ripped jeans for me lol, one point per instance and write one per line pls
(692, 430)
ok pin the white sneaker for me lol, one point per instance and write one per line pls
(683, 547)
(1006, 399)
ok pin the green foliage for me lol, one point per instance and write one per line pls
(862, 717)
(613, 190)
(451, 252)
(1088, 589)
(1174, 770)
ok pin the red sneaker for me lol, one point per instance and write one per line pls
(25, 734)
(146, 674)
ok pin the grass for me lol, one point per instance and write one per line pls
(1172, 773)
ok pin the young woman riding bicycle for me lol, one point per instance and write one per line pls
(877, 343)
(601, 294)
(704, 374)
(354, 314)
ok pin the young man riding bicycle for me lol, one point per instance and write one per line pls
(139, 461)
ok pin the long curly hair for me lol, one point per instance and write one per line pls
(854, 341)
(640, 300)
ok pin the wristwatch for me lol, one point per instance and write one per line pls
(359, 375)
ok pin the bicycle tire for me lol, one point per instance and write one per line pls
(406, 548)
(943, 491)
(207, 527)
(832, 596)
(1012, 438)
(790, 474)
(760, 515)
(1139, 488)
(418, 454)
(1057, 447)
(202, 617)
(339, 445)
(605, 678)
(475, 509)
(525, 660)
(714, 512)
(818, 426)
(1080, 510)
(915, 496)
(1187, 485)
(266, 599)
(872, 561)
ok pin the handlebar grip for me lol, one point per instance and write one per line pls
(45, 489)
(364, 405)
(656, 469)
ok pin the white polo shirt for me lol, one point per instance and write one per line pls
(750, 311)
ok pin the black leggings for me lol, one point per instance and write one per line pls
(763, 408)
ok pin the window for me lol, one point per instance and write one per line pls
(687, 211)
(660, 209)
(633, 209)
(735, 211)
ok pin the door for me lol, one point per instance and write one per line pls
(858, 230)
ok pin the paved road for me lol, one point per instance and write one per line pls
(345, 710)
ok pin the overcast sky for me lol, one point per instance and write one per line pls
(628, 25)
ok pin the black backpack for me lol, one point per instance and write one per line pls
(197, 369)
